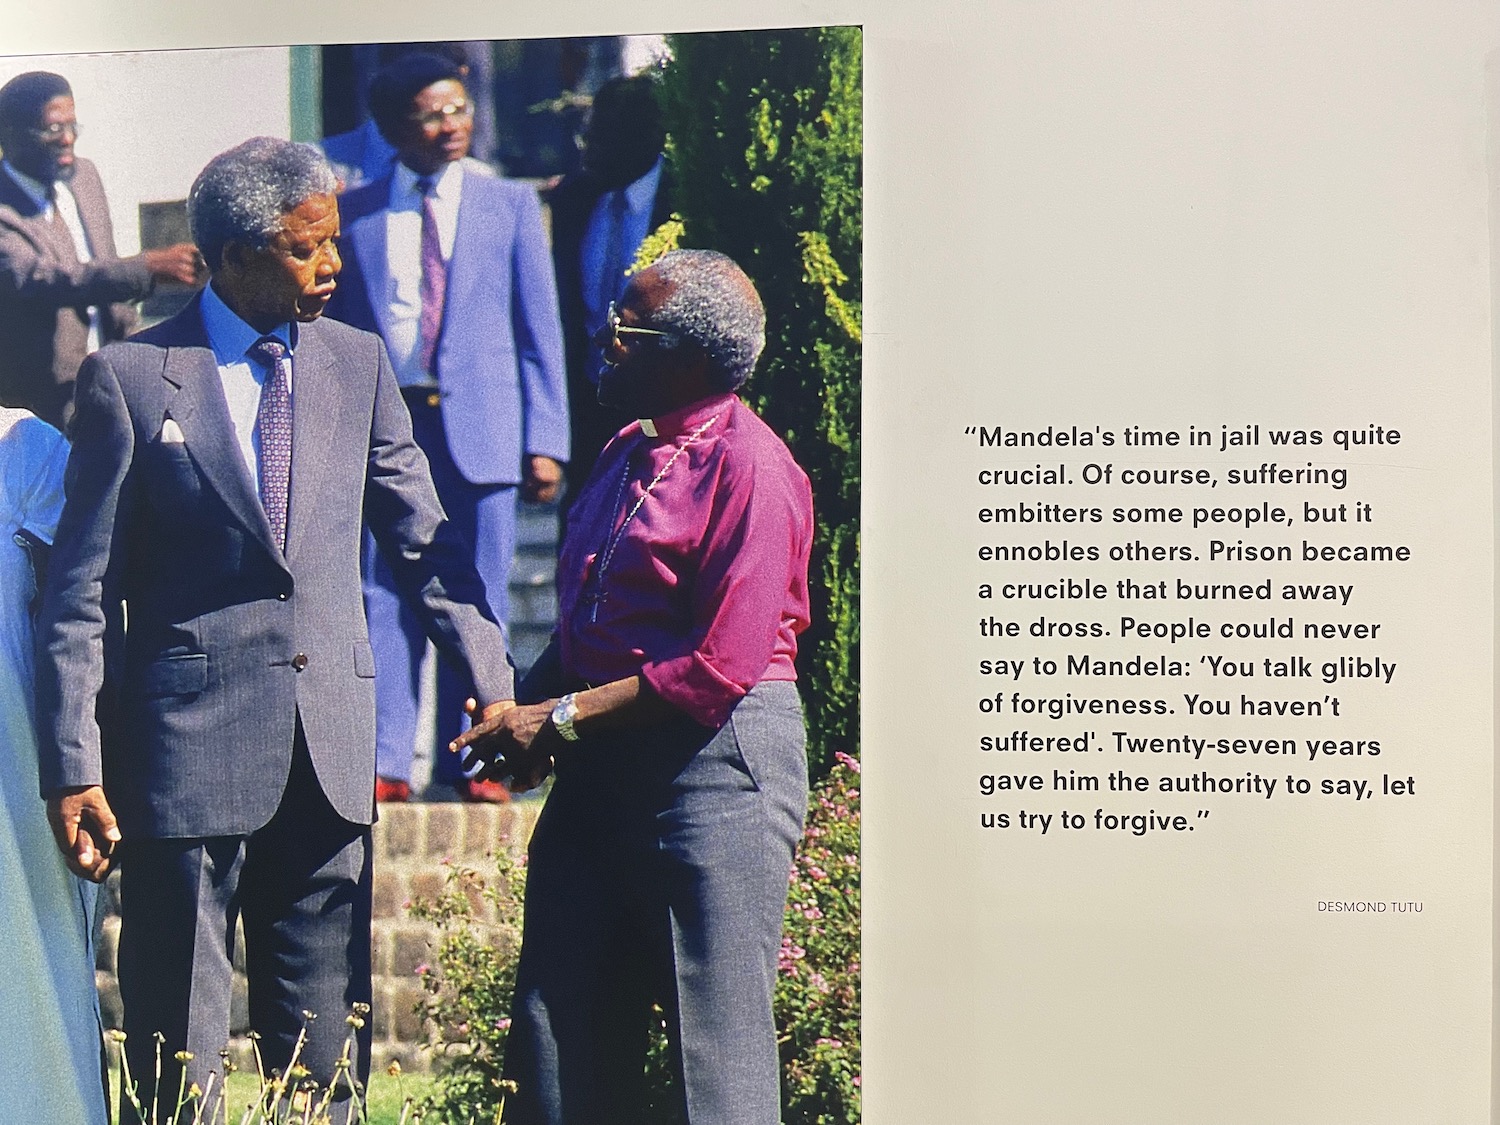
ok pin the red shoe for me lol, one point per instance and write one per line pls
(478, 792)
(389, 789)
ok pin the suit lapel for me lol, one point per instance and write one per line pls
(315, 408)
(477, 217)
(367, 236)
(195, 401)
(93, 212)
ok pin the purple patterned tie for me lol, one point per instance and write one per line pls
(273, 426)
(434, 277)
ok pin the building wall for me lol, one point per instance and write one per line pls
(151, 120)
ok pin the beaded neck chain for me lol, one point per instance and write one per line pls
(606, 556)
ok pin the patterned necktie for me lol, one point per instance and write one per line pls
(434, 277)
(273, 426)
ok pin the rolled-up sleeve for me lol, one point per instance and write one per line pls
(750, 594)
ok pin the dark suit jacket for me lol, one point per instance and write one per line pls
(166, 584)
(45, 293)
(571, 203)
(499, 358)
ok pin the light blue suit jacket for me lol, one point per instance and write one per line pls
(500, 366)
(177, 645)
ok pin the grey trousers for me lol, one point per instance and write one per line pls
(658, 873)
(302, 886)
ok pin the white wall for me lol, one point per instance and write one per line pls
(152, 120)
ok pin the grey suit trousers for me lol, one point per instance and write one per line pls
(301, 885)
(658, 873)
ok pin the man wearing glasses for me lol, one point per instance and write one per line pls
(452, 269)
(63, 289)
(667, 703)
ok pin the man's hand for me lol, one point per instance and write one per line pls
(181, 263)
(84, 827)
(541, 479)
(510, 742)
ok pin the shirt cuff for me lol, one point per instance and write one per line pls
(695, 687)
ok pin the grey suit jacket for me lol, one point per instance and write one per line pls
(45, 293)
(176, 645)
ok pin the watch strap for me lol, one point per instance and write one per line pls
(563, 715)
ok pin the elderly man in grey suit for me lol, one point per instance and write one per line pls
(204, 670)
(63, 289)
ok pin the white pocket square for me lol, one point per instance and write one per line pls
(171, 433)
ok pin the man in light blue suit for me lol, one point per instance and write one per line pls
(205, 697)
(453, 270)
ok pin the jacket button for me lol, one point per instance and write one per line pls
(281, 597)
(299, 662)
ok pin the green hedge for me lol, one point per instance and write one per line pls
(765, 143)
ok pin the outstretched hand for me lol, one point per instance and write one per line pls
(513, 744)
(84, 827)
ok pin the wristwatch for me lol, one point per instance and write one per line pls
(563, 715)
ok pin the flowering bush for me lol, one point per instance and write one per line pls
(470, 989)
(468, 995)
(817, 988)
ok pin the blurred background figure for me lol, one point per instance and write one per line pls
(451, 268)
(50, 1034)
(63, 289)
(600, 215)
(362, 155)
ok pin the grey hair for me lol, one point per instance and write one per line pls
(712, 303)
(241, 195)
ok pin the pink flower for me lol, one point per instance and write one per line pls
(788, 956)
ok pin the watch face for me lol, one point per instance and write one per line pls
(563, 715)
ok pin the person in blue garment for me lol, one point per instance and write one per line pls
(49, 1036)
(452, 269)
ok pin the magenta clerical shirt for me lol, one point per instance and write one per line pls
(697, 582)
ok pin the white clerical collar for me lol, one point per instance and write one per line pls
(648, 427)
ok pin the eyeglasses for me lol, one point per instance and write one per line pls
(609, 335)
(57, 130)
(433, 119)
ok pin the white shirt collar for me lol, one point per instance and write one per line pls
(229, 336)
(445, 188)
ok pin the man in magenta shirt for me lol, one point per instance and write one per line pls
(667, 700)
